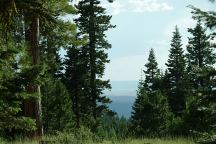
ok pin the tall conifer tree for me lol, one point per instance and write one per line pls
(176, 74)
(93, 22)
(209, 18)
(150, 110)
(200, 52)
(151, 73)
(201, 58)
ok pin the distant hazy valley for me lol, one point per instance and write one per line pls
(123, 95)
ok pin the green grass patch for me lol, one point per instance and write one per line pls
(127, 141)
(153, 141)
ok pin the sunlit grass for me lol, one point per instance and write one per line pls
(153, 141)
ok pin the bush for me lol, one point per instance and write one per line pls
(207, 138)
(176, 126)
(81, 136)
(2, 141)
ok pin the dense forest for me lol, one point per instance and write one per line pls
(45, 94)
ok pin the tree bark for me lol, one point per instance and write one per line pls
(32, 108)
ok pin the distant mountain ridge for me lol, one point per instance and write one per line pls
(122, 94)
(122, 88)
(122, 105)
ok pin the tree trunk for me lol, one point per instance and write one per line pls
(33, 108)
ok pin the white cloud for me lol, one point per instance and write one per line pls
(148, 6)
(115, 7)
(136, 6)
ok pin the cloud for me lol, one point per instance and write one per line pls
(148, 6)
(115, 7)
(137, 6)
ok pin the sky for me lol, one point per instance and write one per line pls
(141, 25)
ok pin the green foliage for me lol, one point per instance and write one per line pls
(152, 73)
(208, 17)
(56, 101)
(176, 74)
(57, 107)
(150, 116)
(9, 10)
(199, 116)
(113, 127)
(207, 138)
(85, 64)
(12, 93)
(74, 105)
(200, 51)
(81, 136)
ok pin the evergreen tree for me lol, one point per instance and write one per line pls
(57, 108)
(165, 84)
(201, 71)
(206, 110)
(150, 113)
(137, 111)
(151, 73)
(176, 74)
(76, 75)
(113, 127)
(150, 110)
(200, 53)
(12, 93)
(31, 12)
(94, 23)
(208, 17)
(56, 102)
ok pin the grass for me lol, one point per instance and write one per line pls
(153, 141)
(127, 141)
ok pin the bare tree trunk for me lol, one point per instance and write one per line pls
(33, 108)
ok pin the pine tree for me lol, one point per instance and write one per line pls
(57, 108)
(201, 72)
(56, 102)
(208, 17)
(150, 113)
(94, 23)
(208, 105)
(137, 111)
(12, 93)
(76, 73)
(200, 53)
(176, 74)
(151, 73)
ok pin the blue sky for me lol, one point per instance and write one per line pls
(141, 25)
